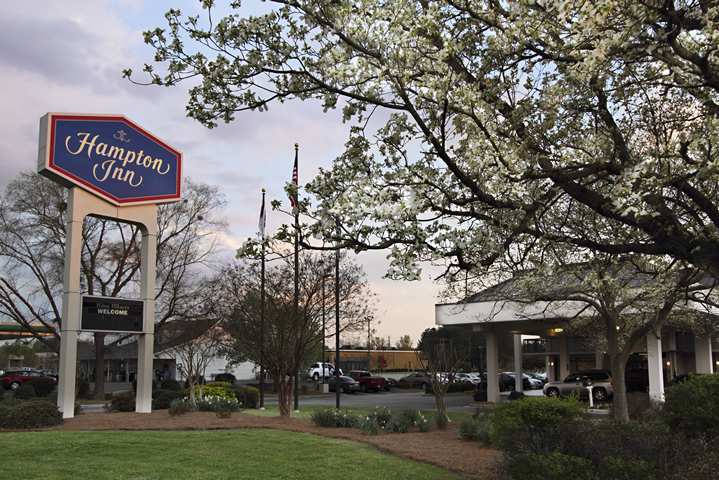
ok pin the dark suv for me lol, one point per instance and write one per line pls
(576, 383)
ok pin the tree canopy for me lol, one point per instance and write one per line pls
(479, 125)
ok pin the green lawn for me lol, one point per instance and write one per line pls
(234, 454)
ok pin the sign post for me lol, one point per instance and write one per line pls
(116, 170)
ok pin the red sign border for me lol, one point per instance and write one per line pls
(56, 170)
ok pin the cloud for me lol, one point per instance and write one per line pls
(67, 57)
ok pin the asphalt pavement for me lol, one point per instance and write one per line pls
(416, 399)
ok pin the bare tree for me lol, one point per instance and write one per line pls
(289, 338)
(32, 248)
(444, 351)
(197, 342)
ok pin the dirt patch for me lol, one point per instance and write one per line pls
(441, 448)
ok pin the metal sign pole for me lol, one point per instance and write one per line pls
(146, 341)
(71, 298)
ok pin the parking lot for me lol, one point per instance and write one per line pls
(394, 399)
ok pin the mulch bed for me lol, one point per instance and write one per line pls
(441, 448)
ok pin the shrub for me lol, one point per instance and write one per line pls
(173, 385)
(43, 385)
(476, 429)
(25, 391)
(180, 407)
(382, 415)
(701, 466)
(249, 397)
(82, 388)
(122, 402)
(218, 390)
(211, 403)
(400, 425)
(555, 465)
(423, 423)
(601, 439)
(332, 417)
(224, 408)
(693, 406)
(409, 415)
(161, 399)
(532, 425)
(626, 468)
(369, 425)
(30, 414)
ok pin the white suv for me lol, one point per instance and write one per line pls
(315, 371)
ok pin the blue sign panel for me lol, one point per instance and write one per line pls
(110, 156)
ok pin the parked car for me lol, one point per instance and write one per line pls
(315, 371)
(415, 380)
(390, 383)
(468, 378)
(12, 380)
(528, 383)
(575, 383)
(368, 382)
(542, 377)
(225, 377)
(347, 384)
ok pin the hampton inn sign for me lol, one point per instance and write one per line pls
(111, 157)
(114, 169)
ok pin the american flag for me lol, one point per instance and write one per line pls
(295, 181)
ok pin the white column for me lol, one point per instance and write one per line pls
(655, 367)
(71, 300)
(703, 354)
(492, 367)
(563, 357)
(145, 342)
(518, 384)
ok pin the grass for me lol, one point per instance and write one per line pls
(236, 454)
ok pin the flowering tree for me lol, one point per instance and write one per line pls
(614, 301)
(494, 122)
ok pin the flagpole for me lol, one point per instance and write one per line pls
(295, 176)
(262, 304)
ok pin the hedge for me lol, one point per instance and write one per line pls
(30, 414)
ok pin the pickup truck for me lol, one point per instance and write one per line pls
(368, 382)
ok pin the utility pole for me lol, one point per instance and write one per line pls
(338, 384)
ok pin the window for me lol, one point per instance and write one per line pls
(572, 378)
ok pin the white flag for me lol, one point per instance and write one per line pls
(263, 217)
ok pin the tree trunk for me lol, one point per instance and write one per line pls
(618, 364)
(191, 385)
(620, 405)
(99, 366)
(284, 395)
(441, 406)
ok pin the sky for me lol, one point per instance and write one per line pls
(67, 56)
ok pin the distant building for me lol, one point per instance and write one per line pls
(384, 360)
